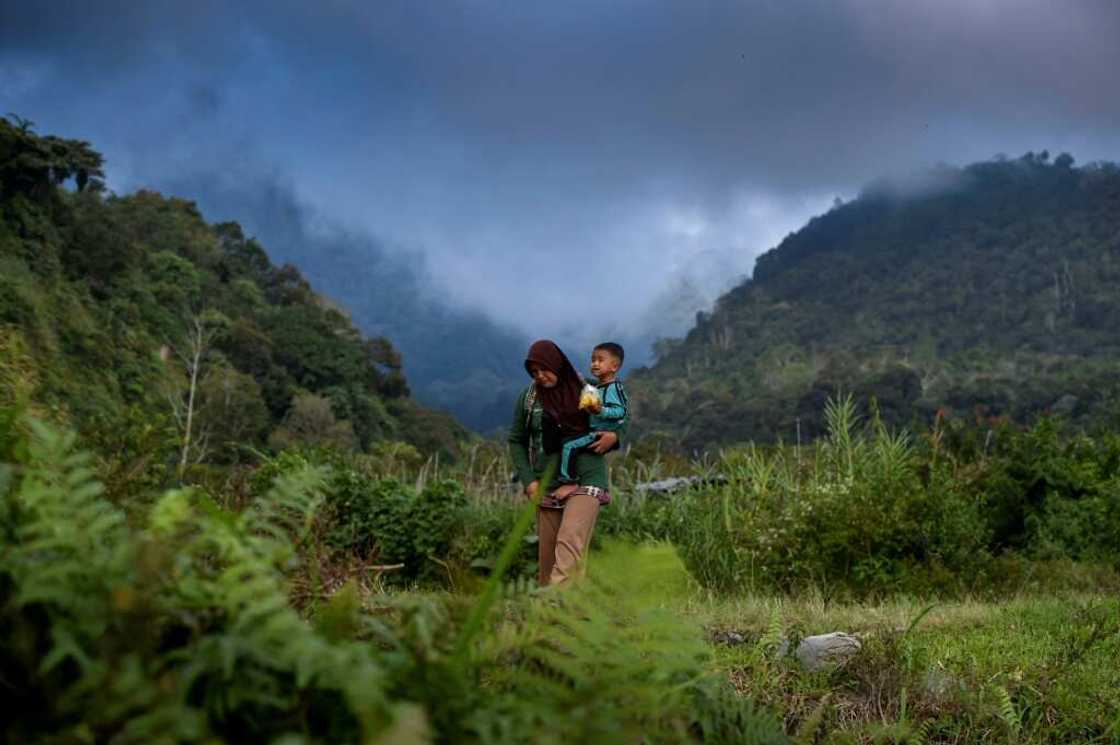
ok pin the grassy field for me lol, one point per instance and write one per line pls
(1029, 669)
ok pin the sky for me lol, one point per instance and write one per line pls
(574, 169)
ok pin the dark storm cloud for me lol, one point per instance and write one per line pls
(620, 148)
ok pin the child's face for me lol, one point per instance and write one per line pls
(544, 377)
(604, 364)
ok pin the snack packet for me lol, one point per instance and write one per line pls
(589, 399)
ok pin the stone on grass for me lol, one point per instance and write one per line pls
(730, 638)
(817, 652)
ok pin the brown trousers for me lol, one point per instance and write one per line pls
(563, 537)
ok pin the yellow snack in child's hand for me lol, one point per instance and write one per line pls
(589, 398)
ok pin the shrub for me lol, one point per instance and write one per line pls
(1050, 495)
(389, 520)
(859, 511)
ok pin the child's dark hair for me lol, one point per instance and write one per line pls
(611, 347)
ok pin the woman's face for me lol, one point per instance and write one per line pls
(544, 377)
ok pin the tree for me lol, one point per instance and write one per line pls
(202, 330)
(34, 165)
(98, 249)
(231, 410)
(311, 421)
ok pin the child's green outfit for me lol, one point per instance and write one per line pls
(612, 418)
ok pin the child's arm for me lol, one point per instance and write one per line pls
(614, 403)
(615, 409)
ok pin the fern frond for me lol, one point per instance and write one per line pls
(288, 508)
(262, 638)
(807, 733)
(775, 632)
(70, 544)
(608, 655)
(1007, 711)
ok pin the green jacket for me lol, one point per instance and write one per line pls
(534, 440)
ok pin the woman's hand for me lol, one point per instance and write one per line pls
(606, 441)
(531, 488)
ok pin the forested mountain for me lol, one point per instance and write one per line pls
(455, 359)
(988, 291)
(132, 319)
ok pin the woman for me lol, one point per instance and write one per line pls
(547, 413)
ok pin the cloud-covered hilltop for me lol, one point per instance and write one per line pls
(991, 295)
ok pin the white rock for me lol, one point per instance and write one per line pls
(815, 652)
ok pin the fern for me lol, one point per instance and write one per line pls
(774, 637)
(180, 629)
(605, 661)
(261, 652)
(807, 734)
(69, 549)
(175, 633)
(76, 631)
(287, 510)
(1007, 711)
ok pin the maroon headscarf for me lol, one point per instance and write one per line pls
(562, 401)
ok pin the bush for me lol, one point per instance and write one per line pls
(868, 511)
(861, 511)
(1050, 495)
(390, 521)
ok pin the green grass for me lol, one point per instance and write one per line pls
(1031, 669)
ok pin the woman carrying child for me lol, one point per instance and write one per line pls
(548, 414)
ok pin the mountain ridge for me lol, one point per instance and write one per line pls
(990, 295)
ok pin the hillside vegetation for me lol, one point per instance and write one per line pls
(168, 341)
(988, 291)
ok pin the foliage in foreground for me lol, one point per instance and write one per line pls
(177, 626)
(615, 643)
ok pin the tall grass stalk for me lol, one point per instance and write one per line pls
(492, 589)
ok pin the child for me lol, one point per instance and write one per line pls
(609, 414)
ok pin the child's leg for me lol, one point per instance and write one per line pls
(568, 455)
